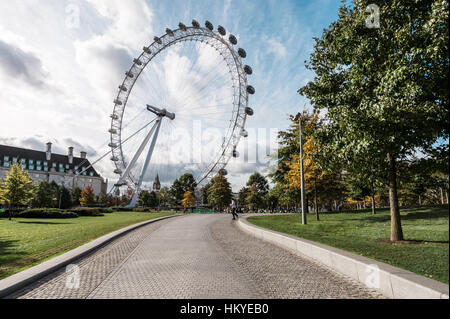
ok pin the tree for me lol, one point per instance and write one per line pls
(17, 188)
(205, 190)
(219, 193)
(44, 195)
(87, 196)
(102, 199)
(164, 196)
(76, 194)
(148, 199)
(188, 200)
(384, 90)
(64, 197)
(258, 188)
(243, 194)
(182, 185)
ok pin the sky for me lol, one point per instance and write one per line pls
(62, 61)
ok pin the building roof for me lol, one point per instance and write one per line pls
(55, 160)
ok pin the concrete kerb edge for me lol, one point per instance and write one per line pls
(393, 282)
(24, 278)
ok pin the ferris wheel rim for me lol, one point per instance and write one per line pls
(241, 91)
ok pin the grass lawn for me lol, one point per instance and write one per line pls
(27, 242)
(359, 233)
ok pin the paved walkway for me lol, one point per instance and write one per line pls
(196, 256)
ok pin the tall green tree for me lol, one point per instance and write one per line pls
(164, 196)
(219, 193)
(243, 194)
(76, 194)
(182, 185)
(148, 199)
(44, 195)
(258, 189)
(64, 198)
(384, 90)
(17, 188)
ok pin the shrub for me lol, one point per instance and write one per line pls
(141, 210)
(88, 212)
(106, 210)
(46, 213)
(120, 209)
(4, 212)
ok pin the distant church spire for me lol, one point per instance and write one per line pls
(156, 184)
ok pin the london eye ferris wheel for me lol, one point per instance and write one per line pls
(188, 81)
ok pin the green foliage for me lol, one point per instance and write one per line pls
(64, 197)
(258, 188)
(180, 186)
(120, 209)
(44, 195)
(243, 195)
(148, 199)
(164, 196)
(88, 211)
(219, 193)
(17, 188)
(76, 195)
(46, 213)
(106, 210)
(385, 90)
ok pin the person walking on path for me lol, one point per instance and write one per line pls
(234, 209)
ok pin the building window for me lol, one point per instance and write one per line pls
(14, 160)
(6, 164)
(31, 167)
(54, 164)
(24, 166)
(91, 173)
(39, 168)
(38, 163)
(31, 162)
(45, 169)
(6, 159)
(67, 166)
(24, 161)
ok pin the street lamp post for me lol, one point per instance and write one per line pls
(302, 171)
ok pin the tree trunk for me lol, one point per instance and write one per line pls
(373, 204)
(420, 200)
(396, 226)
(315, 201)
(442, 196)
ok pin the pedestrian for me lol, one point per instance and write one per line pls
(234, 209)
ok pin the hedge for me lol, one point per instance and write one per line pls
(121, 209)
(46, 213)
(88, 211)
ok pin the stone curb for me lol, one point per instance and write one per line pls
(30, 275)
(391, 281)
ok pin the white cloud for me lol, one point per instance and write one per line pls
(276, 48)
